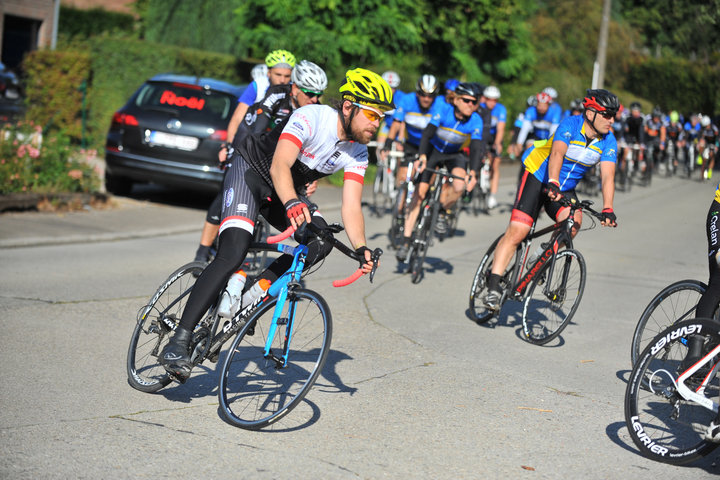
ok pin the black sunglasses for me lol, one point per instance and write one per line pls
(607, 115)
(468, 100)
(310, 93)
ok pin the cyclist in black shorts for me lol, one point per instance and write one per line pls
(264, 175)
(308, 84)
(442, 140)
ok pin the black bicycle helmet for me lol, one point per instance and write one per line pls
(601, 100)
(467, 89)
(657, 112)
(635, 106)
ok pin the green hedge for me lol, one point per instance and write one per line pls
(75, 22)
(52, 90)
(678, 84)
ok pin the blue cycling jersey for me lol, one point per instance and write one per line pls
(556, 110)
(579, 157)
(498, 114)
(693, 132)
(397, 98)
(408, 110)
(541, 126)
(452, 133)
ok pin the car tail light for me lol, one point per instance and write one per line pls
(220, 135)
(124, 119)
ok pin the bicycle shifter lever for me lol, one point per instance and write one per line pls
(375, 258)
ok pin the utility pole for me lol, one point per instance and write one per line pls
(599, 67)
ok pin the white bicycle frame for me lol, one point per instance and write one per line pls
(697, 396)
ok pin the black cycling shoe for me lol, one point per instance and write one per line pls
(175, 357)
(402, 252)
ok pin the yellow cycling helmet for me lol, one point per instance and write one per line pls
(368, 88)
(280, 58)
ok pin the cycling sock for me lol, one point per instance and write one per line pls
(494, 282)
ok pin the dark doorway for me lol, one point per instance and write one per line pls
(20, 36)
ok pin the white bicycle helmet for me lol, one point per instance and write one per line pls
(705, 120)
(427, 84)
(492, 92)
(309, 76)
(551, 91)
(392, 78)
(259, 71)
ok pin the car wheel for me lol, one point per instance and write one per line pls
(117, 185)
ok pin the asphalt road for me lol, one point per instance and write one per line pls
(413, 388)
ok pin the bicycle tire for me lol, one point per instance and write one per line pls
(254, 391)
(479, 285)
(673, 303)
(544, 317)
(662, 425)
(153, 327)
(422, 243)
(397, 221)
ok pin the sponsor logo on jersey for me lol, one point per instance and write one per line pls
(242, 208)
(229, 196)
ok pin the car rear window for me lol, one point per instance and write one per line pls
(189, 101)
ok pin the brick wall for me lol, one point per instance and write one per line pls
(41, 10)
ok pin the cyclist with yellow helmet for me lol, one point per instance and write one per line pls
(264, 175)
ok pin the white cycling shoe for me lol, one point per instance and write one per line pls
(712, 434)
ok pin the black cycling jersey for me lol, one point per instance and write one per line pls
(709, 134)
(264, 115)
(635, 129)
(675, 131)
(258, 151)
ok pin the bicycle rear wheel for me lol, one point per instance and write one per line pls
(397, 220)
(256, 391)
(421, 242)
(551, 301)
(479, 285)
(674, 303)
(154, 323)
(663, 425)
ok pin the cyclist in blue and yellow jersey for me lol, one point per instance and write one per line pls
(557, 165)
(555, 107)
(393, 79)
(540, 121)
(441, 143)
(264, 176)
(498, 120)
(279, 64)
(412, 115)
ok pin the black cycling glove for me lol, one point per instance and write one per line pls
(609, 214)
(553, 188)
(361, 253)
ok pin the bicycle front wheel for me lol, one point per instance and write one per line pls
(423, 237)
(553, 297)
(674, 303)
(663, 425)
(398, 216)
(257, 390)
(154, 323)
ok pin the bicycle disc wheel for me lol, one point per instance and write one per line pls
(674, 303)
(551, 301)
(256, 391)
(663, 425)
(479, 285)
(154, 323)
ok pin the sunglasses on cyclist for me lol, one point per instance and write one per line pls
(468, 100)
(371, 114)
(426, 95)
(310, 93)
(606, 115)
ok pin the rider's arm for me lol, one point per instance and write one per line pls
(237, 117)
(285, 156)
(527, 126)
(353, 219)
(477, 152)
(392, 134)
(607, 175)
(499, 134)
(428, 133)
(557, 153)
